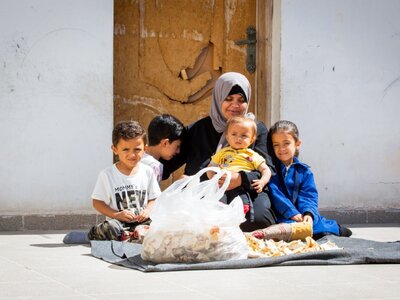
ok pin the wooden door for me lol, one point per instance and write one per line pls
(168, 54)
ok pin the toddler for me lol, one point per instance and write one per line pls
(240, 133)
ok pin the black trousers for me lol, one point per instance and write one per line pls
(260, 214)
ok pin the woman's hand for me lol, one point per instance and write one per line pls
(297, 218)
(221, 180)
(236, 181)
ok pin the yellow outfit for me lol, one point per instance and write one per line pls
(237, 160)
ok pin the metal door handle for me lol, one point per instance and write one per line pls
(251, 48)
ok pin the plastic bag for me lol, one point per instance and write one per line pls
(190, 224)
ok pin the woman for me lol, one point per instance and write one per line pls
(231, 96)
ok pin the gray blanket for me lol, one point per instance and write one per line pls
(355, 251)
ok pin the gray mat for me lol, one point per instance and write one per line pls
(355, 251)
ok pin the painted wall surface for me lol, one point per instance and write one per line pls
(55, 103)
(340, 83)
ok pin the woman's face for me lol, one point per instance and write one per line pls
(233, 105)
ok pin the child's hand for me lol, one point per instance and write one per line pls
(297, 218)
(125, 216)
(308, 219)
(143, 216)
(258, 185)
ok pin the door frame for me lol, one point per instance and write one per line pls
(267, 83)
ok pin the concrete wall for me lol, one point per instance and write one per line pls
(340, 83)
(55, 104)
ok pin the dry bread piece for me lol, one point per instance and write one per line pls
(268, 248)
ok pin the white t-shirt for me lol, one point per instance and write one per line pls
(156, 165)
(120, 192)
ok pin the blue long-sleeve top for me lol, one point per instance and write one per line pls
(293, 191)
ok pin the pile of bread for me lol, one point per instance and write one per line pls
(187, 246)
(218, 244)
(268, 248)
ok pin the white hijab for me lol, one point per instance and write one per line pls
(221, 90)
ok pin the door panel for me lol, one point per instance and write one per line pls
(168, 54)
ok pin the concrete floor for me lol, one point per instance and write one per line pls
(37, 265)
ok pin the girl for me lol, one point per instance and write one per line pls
(293, 191)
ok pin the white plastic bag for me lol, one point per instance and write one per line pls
(190, 224)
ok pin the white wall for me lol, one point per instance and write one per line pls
(55, 103)
(340, 83)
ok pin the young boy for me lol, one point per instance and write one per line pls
(165, 133)
(124, 192)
